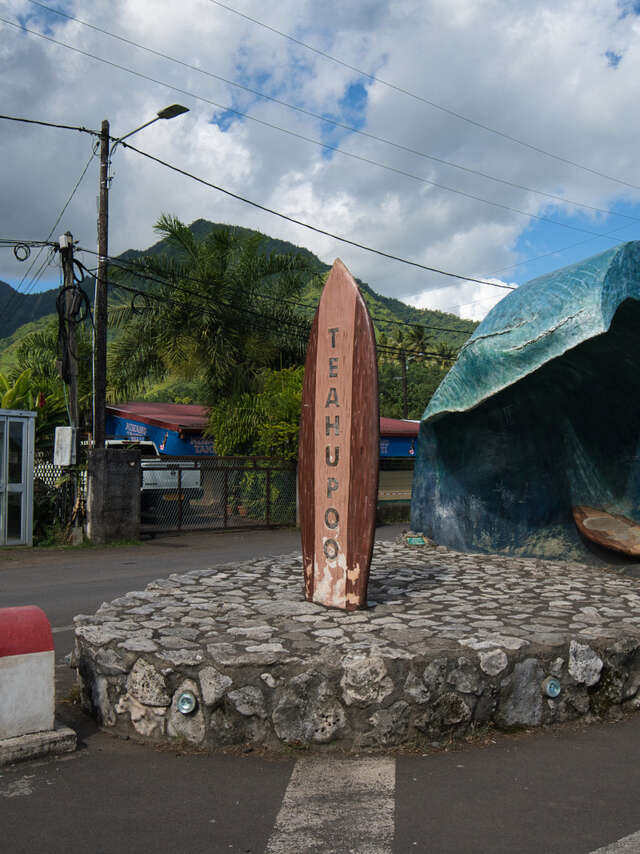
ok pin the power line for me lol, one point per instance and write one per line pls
(116, 262)
(32, 284)
(608, 235)
(95, 133)
(61, 214)
(301, 327)
(426, 101)
(13, 296)
(560, 251)
(263, 207)
(292, 327)
(300, 136)
(37, 121)
(15, 241)
(313, 228)
(6, 242)
(351, 129)
(302, 324)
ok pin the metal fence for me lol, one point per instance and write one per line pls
(217, 492)
(55, 487)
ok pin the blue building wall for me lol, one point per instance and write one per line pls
(167, 441)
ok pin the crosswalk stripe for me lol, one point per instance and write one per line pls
(345, 806)
(627, 845)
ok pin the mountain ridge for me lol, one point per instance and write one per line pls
(33, 310)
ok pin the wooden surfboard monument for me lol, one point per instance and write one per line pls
(339, 447)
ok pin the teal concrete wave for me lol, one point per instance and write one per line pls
(540, 412)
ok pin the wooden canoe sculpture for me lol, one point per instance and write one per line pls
(608, 529)
(339, 447)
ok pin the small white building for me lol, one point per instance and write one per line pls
(17, 440)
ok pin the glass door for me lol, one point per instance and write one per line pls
(16, 477)
(3, 479)
(16, 481)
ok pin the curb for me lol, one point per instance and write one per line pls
(61, 739)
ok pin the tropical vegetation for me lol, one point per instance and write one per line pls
(220, 316)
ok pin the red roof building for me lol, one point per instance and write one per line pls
(177, 428)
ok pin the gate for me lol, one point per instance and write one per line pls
(186, 494)
(17, 432)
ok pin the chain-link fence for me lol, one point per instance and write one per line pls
(218, 492)
(54, 490)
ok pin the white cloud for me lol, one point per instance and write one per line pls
(537, 71)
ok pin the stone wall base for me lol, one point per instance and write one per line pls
(449, 645)
(358, 701)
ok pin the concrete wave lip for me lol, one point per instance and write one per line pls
(450, 643)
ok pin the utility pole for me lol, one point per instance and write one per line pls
(403, 362)
(100, 303)
(70, 357)
(68, 320)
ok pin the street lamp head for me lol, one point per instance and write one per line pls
(168, 113)
(172, 111)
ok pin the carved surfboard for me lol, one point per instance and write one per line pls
(608, 529)
(339, 447)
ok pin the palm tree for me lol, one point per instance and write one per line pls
(217, 309)
(417, 339)
(35, 382)
(446, 354)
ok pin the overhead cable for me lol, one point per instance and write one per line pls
(300, 136)
(37, 121)
(313, 228)
(118, 263)
(327, 120)
(31, 285)
(427, 101)
(292, 327)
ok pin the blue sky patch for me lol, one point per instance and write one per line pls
(224, 119)
(40, 19)
(629, 7)
(352, 111)
(550, 247)
(613, 58)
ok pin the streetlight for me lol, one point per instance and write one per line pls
(100, 304)
(168, 113)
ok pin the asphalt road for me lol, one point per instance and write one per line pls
(572, 791)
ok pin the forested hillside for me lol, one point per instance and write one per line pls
(416, 347)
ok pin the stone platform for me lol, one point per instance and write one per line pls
(449, 644)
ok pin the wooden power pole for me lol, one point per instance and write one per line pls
(403, 362)
(68, 319)
(100, 305)
(70, 356)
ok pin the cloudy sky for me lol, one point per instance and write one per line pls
(383, 147)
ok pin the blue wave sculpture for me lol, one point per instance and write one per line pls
(540, 412)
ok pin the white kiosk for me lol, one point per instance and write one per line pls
(17, 439)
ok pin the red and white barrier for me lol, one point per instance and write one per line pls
(27, 694)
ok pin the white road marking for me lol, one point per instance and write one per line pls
(62, 629)
(342, 806)
(627, 845)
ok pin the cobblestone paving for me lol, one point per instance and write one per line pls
(486, 612)
(416, 595)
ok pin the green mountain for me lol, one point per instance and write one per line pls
(27, 312)
(387, 313)
(16, 309)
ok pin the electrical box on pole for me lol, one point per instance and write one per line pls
(64, 452)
